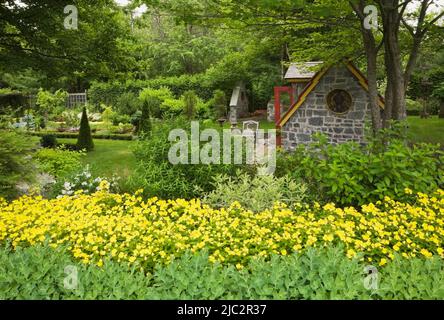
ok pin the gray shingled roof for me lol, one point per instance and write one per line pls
(301, 70)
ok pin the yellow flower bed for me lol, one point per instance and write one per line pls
(126, 228)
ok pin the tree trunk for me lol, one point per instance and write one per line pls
(441, 112)
(388, 105)
(393, 64)
(371, 51)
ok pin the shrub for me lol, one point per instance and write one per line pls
(85, 140)
(158, 177)
(127, 104)
(58, 162)
(172, 108)
(48, 141)
(69, 117)
(107, 114)
(190, 102)
(203, 109)
(117, 119)
(152, 99)
(145, 122)
(219, 105)
(49, 102)
(15, 162)
(350, 174)
(256, 193)
(414, 107)
(122, 128)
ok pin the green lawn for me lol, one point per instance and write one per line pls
(427, 130)
(109, 157)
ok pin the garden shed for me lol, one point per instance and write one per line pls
(334, 101)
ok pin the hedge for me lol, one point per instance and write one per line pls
(109, 92)
(67, 135)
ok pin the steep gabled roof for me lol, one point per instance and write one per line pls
(314, 82)
(301, 71)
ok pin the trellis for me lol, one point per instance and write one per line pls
(76, 99)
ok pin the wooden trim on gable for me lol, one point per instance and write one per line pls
(304, 80)
(363, 81)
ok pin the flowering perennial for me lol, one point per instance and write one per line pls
(125, 228)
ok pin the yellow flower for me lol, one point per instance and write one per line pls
(426, 253)
(351, 253)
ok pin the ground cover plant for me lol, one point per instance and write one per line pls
(144, 233)
(38, 273)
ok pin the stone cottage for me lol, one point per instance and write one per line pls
(334, 101)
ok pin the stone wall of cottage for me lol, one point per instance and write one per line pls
(314, 115)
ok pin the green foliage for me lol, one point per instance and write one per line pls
(219, 105)
(48, 141)
(39, 273)
(109, 93)
(15, 162)
(256, 193)
(117, 119)
(127, 104)
(49, 102)
(190, 100)
(85, 140)
(69, 117)
(59, 162)
(172, 107)
(439, 92)
(350, 174)
(107, 114)
(414, 107)
(158, 177)
(122, 128)
(145, 123)
(153, 99)
(103, 30)
(102, 136)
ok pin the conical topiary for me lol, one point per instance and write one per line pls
(85, 140)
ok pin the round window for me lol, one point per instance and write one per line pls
(339, 101)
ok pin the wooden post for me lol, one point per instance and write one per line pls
(277, 105)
